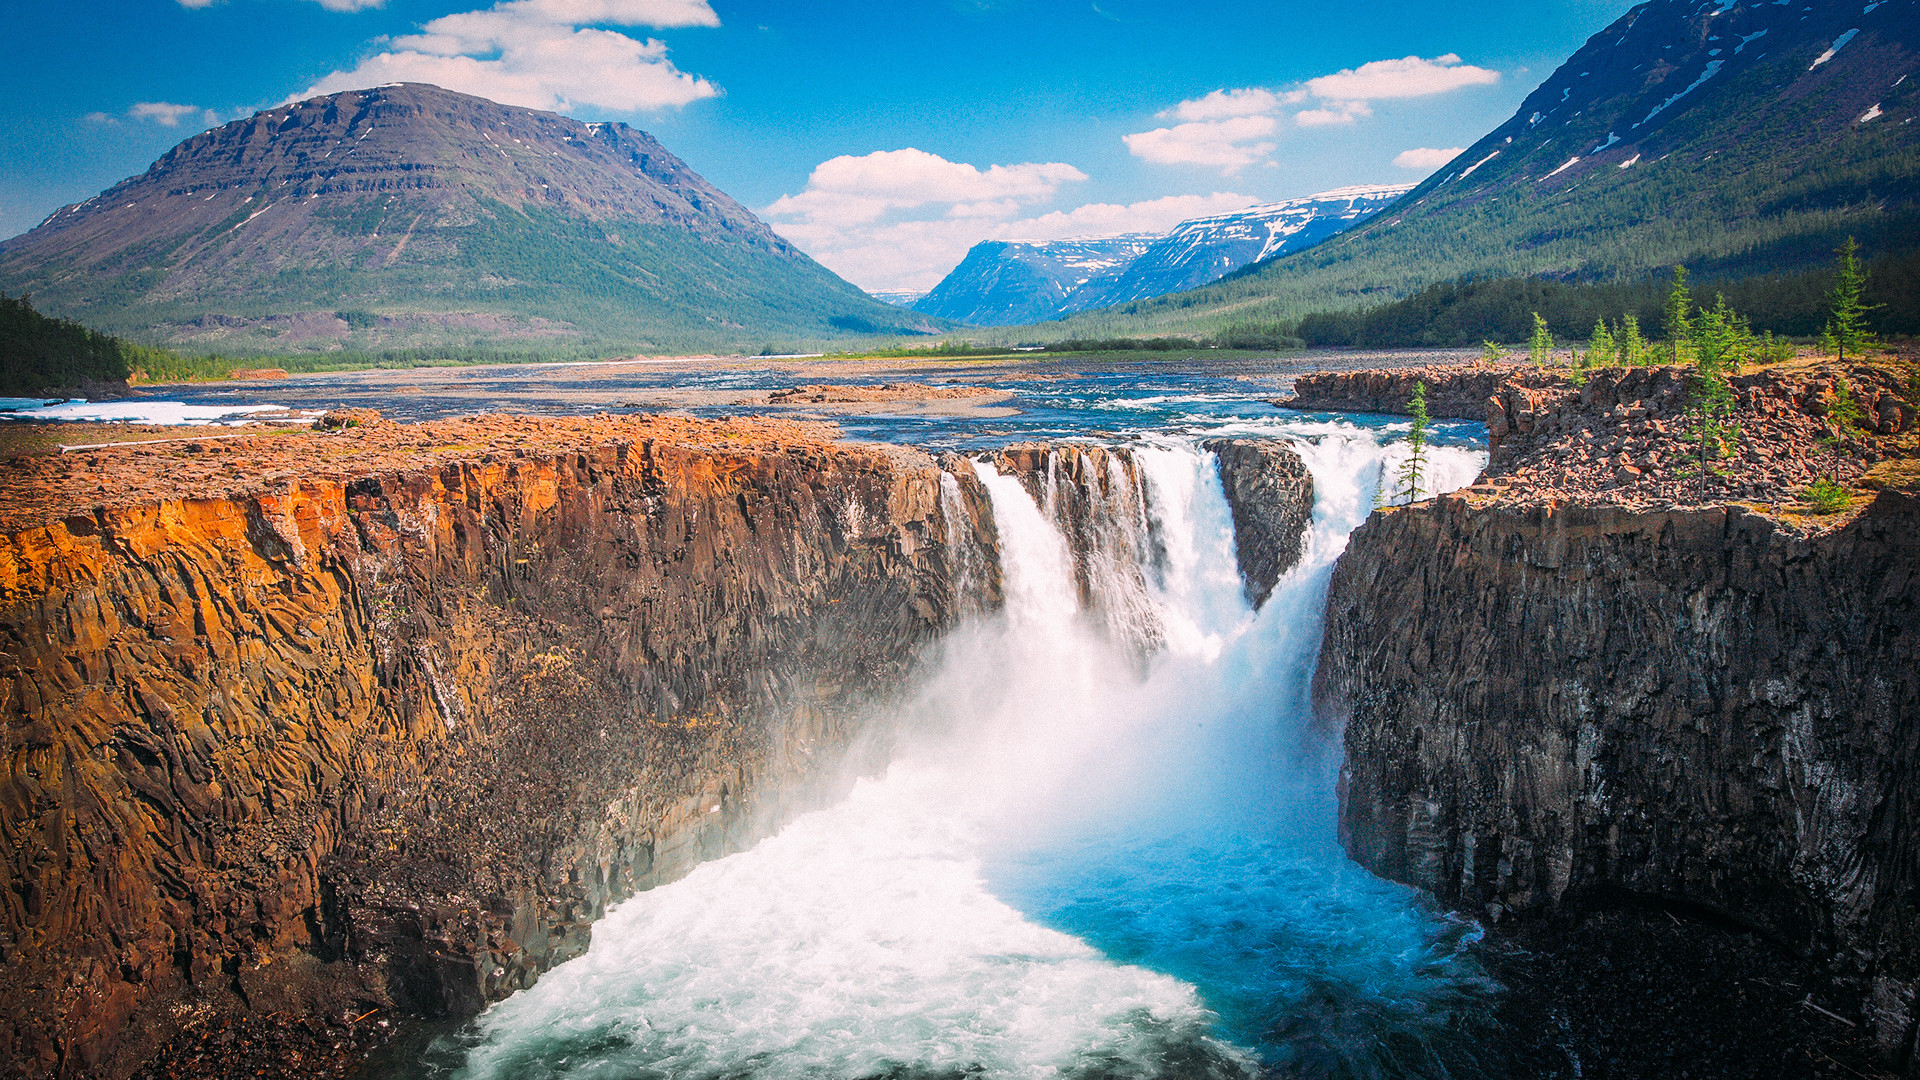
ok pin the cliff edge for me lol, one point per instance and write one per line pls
(373, 722)
(1592, 676)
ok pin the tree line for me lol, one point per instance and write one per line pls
(1469, 311)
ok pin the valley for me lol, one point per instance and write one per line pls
(1293, 560)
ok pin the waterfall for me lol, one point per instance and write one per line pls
(1083, 862)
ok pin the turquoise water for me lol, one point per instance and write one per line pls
(1106, 847)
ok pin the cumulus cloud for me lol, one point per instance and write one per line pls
(856, 190)
(165, 113)
(1333, 112)
(1230, 129)
(1409, 76)
(1228, 145)
(330, 5)
(543, 54)
(1425, 158)
(901, 219)
(1247, 101)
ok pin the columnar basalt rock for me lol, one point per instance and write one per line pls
(1270, 492)
(1548, 703)
(393, 736)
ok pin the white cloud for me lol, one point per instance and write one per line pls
(901, 219)
(1333, 112)
(330, 5)
(855, 190)
(1409, 76)
(1247, 101)
(167, 114)
(1228, 145)
(543, 54)
(1229, 129)
(1426, 158)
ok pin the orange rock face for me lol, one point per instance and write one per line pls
(384, 718)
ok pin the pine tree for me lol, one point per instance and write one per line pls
(1721, 342)
(1847, 328)
(1413, 470)
(1490, 353)
(1679, 304)
(1539, 348)
(1633, 346)
(1601, 350)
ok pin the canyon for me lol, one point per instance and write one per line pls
(374, 723)
(352, 729)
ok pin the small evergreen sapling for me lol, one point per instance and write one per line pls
(1847, 327)
(1720, 343)
(1679, 303)
(1601, 349)
(1413, 470)
(1844, 410)
(1633, 346)
(1541, 345)
(1490, 352)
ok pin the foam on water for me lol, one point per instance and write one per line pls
(1074, 868)
(134, 411)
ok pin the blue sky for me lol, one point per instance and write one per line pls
(884, 138)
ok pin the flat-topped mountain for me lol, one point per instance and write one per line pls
(1006, 282)
(407, 214)
(1732, 136)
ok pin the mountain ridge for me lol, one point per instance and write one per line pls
(1732, 137)
(408, 214)
(1007, 282)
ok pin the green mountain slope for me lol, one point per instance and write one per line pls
(411, 216)
(1732, 137)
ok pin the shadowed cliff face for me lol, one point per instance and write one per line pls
(1546, 704)
(394, 741)
(1271, 494)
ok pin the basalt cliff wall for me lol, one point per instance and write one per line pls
(386, 732)
(1570, 685)
(341, 729)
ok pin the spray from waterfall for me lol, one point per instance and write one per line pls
(1086, 860)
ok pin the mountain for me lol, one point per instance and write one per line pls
(1002, 282)
(1006, 282)
(1732, 136)
(897, 297)
(409, 215)
(1204, 249)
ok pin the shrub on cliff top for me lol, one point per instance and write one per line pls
(1823, 496)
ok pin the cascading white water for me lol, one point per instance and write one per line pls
(1073, 869)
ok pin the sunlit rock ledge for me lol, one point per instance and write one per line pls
(309, 734)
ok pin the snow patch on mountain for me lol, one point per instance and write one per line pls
(1713, 68)
(1838, 44)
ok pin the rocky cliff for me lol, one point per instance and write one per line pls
(1556, 693)
(1457, 392)
(379, 721)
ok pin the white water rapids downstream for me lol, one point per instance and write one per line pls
(1076, 866)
